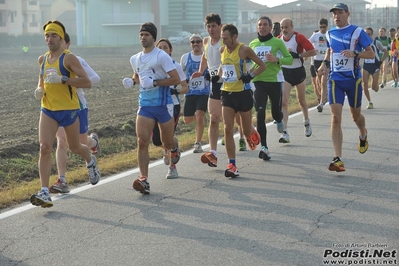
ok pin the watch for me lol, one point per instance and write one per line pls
(154, 83)
(356, 52)
(64, 79)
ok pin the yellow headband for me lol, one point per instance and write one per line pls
(54, 28)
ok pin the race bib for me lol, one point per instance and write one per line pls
(229, 73)
(262, 51)
(213, 71)
(342, 63)
(369, 61)
(145, 75)
(197, 83)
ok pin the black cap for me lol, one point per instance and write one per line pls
(149, 27)
(391, 30)
(340, 6)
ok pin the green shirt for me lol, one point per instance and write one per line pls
(275, 46)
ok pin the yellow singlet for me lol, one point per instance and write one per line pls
(58, 97)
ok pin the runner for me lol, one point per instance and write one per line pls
(319, 42)
(372, 67)
(154, 70)
(345, 43)
(295, 74)
(269, 84)
(237, 96)
(196, 99)
(386, 42)
(60, 74)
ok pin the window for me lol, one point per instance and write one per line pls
(2, 1)
(244, 16)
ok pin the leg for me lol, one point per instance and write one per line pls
(215, 112)
(61, 152)
(47, 130)
(228, 120)
(336, 130)
(200, 124)
(284, 106)
(374, 84)
(365, 78)
(144, 127)
(72, 134)
(300, 94)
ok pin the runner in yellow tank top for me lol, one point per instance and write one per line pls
(60, 74)
(236, 93)
(58, 96)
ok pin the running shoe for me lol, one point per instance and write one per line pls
(320, 108)
(370, 106)
(395, 84)
(242, 146)
(197, 148)
(253, 140)
(96, 151)
(382, 85)
(280, 126)
(41, 199)
(264, 154)
(285, 138)
(172, 173)
(231, 171)
(59, 187)
(166, 157)
(308, 130)
(336, 165)
(175, 156)
(210, 159)
(94, 172)
(141, 185)
(363, 145)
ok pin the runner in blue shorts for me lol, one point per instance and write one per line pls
(155, 72)
(345, 47)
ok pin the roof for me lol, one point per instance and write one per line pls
(307, 4)
(249, 5)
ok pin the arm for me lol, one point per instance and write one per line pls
(306, 45)
(249, 53)
(93, 76)
(40, 83)
(202, 67)
(73, 64)
(323, 69)
(382, 48)
(287, 58)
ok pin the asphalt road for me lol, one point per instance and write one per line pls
(287, 211)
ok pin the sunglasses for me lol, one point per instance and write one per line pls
(197, 42)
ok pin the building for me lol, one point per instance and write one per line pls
(19, 17)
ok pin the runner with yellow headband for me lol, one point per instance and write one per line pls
(60, 74)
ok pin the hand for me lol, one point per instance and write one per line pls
(53, 78)
(39, 93)
(246, 78)
(196, 75)
(215, 79)
(128, 83)
(174, 91)
(146, 82)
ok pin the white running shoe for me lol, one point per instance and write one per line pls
(172, 173)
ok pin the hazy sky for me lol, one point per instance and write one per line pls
(379, 3)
